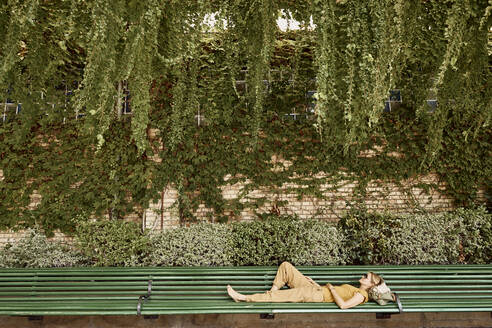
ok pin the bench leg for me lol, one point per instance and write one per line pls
(383, 315)
(150, 317)
(269, 316)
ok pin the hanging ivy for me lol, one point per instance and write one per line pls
(66, 63)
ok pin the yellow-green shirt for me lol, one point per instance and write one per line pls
(345, 291)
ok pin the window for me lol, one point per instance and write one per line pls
(394, 100)
(431, 105)
(126, 108)
(10, 109)
(432, 99)
(310, 100)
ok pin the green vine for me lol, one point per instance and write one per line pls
(211, 131)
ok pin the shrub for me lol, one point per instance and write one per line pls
(476, 235)
(202, 244)
(273, 240)
(112, 242)
(424, 239)
(267, 241)
(461, 236)
(36, 251)
(366, 236)
(324, 245)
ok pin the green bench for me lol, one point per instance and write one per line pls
(200, 290)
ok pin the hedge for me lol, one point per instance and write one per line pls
(274, 240)
(202, 244)
(36, 251)
(113, 242)
(458, 237)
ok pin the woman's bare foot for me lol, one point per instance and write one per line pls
(235, 295)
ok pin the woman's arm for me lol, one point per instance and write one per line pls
(354, 301)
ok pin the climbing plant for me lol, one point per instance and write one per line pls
(196, 128)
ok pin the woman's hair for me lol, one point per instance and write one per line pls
(376, 279)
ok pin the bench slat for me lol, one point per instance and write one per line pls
(175, 290)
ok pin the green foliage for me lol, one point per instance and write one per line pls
(112, 242)
(354, 41)
(423, 239)
(367, 235)
(324, 245)
(202, 244)
(458, 237)
(36, 251)
(272, 240)
(475, 235)
(461, 236)
(178, 70)
(267, 242)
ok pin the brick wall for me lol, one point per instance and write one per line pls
(10, 236)
(380, 197)
(386, 197)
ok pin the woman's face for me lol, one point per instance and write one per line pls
(366, 279)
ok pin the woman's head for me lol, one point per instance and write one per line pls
(370, 280)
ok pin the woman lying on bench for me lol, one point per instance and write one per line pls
(304, 289)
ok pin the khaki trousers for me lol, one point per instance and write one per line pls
(301, 289)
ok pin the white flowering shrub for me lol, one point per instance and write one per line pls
(324, 244)
(424, 239)
(201, 244)
(460, 236)
(36, 251)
